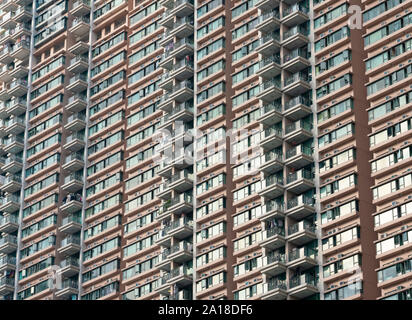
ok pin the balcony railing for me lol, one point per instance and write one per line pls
(304, 252)
(296, 101)
(275, 231)
(300, 200)
(271, 180)
(299, 52)
(275, 257)
(297, 7)
(70, 240)
(8, 219)
(9, 198)
(274, 284)
(300, 174)
(298, 149)
(300, 76)
(273, 205)
(182, 246)
(74, 156)
(8, 239)
(298, 125)
(302, 279)
(70, 261)
(295, 30)
(301, 226)
(181, 222)
(7, 260)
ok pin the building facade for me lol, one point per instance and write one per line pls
(251, 149)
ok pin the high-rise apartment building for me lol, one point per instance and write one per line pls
(218, 149)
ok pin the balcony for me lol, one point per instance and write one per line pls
(271, 162)
(7, 21)
(296, 60)
(303, 258)
(79, 48)
(180, 182)
(5, 55)
(274, 264)
(182, 70)
(300, 181)
(10, 203)
(268, 21)
(301, 233)
(177, 50)
(266, 5)
(80, 26)
(300, 207)
(181, 252)
(9, 223)
(8, 5)
(4, 92)
(22, 30)
(15, 126)
(182, 91)
(181, 112)
(11, 184)
(23, 14)
(16, 107)
(179, 8)
(270, 114)
(273, 238)
(21, 51)
(76, 122)
(74, 142)
(269, 67)
(272, 209)
(78, 83)
(297, 84)
(71, 224)
(6, 285)
(80, 8)
(303, 286)
(69, 288)
(275, 289)
(269, 44)
(176, 160)
(163, 263)
(183, 203)
(181, 276)
(297, 108)
(73, 182)
(69, 245)
(73, 162)
(180, 229)
(271, 138)
(299, 156)
(76, 103)
(20, 71)
(7, 263)
(71, 204)
(295, 37)
(182, 28)
(272, 187)
(69, 267)
(295, 14)
(298, 132)
(79, 64)
(270, 90)
(12, 164)
(8, 244)
(5, 74)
